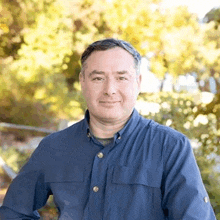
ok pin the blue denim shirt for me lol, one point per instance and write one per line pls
(148, 173)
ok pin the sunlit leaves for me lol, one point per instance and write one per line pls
(130, 21)
(3, 28)
(210, 51)
(178, 42)
(48, 42)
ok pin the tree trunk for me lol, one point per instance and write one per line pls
(162, 83)
(70, 82)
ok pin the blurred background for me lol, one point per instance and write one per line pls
(41, 42)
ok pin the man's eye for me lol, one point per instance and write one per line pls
(122, 78)
(97, 79)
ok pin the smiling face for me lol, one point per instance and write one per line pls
(110, 85)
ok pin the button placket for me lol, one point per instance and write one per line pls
(98, 179)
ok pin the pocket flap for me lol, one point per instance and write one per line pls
(136, 175)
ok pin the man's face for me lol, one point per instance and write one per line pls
(110, 84)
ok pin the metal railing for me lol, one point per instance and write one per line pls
(25, 127)
(3, 164)
(7, 169)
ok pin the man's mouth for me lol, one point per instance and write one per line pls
(109, 102)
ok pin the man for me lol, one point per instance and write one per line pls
(114, 164)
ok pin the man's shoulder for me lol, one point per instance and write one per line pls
(159, 130)
(63, 137)
(165, 139)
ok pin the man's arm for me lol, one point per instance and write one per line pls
(6, 213)
(184, 195)
(27, 193)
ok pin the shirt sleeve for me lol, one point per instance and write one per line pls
(184, 195)
(27, 193)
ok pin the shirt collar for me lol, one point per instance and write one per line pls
(86, 122)
(129, 126)
(124, 132)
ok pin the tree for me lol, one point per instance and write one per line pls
(210, 67)
(213, 15)
(177, 43)
(33, 68)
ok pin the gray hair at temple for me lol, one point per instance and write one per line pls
(110, 43)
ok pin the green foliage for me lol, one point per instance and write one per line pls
(49, 211)
(210, 51)
(175, 42)
(46, 43)
(179, 111)
(62, 103)
(12, 21)
(17, 104)
(33, 83)
(209, 55)
(213, 15)
(176, 110)
(14, 158)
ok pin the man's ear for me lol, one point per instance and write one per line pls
(81, 77)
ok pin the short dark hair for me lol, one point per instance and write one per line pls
(110, 43)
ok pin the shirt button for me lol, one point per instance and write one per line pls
(89, 135)
(206, 199)
(95, 188)
(119, 137)
(100, 155)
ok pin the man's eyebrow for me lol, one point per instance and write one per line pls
(123, 72)
(96, 72)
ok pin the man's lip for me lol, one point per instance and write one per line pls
(110, 102)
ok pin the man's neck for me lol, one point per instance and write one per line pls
(104, 129)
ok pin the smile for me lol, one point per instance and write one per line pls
(109, 102)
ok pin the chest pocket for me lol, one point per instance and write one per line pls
(64, 174)
(136, 175)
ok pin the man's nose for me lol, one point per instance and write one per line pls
(110, 87)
